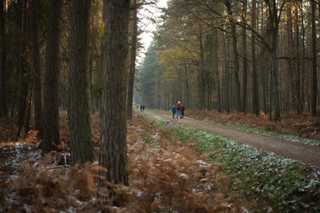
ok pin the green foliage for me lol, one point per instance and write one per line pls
(259, 176)
(147, 77)
(147, 136)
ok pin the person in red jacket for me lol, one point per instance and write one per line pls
(178, 109)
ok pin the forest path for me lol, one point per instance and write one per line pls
(298, 151)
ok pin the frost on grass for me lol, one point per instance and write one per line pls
(285, 184)
(164, 176)
(302, 128)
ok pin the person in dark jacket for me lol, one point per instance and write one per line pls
(178, 108)
(182, 110)
(141, 108)
(173, 110)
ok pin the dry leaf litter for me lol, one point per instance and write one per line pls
(164, 175)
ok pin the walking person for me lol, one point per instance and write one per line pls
(173, 110)
(141, 108)
(182, 110)
(178, 108)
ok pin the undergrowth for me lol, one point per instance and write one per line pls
(164, 174)
(292, 138)
(282, 184)
(302, 125)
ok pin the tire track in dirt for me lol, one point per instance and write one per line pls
(297, 151)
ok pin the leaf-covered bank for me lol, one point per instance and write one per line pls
(165, 176)
(284, 185)
(301, 128)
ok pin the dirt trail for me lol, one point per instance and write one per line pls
(301, 152)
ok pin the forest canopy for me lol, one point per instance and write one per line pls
(249, 56)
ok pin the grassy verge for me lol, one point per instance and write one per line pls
(281, 183)
(293, 138)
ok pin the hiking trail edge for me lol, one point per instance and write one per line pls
(297, 151)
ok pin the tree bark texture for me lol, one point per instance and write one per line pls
(113, 144)
(51, 87)
(314, 61)
(216, 65)
(235, 59)
(201, 81)
(23, 86)
(81, 144)
(263, 71)
(226, 74)
(187, 88)
(297, 48)
(3, 98)
(274, 68)
(37, 72)
(244, 61)
(255, 109)
(290, 50)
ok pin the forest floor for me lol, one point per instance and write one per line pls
(172, 168)
(306, 153)
(164, 174)
(274, 182)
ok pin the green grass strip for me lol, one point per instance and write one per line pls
(293, 138)
(259, 176)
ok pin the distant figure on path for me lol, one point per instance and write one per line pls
(141, 108)
(178, 108)
(173, 110)
(137, 107)
(182, 110)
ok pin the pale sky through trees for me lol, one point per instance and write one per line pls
(147, 26)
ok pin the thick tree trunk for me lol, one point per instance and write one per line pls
(201, 82)
(297, 47)
(303, 65)
(155, 99)
(237, 89)
(51, 86)
(224, 56)
(216, 66)
(3, 98)
(23, 91)
(244, 61)
(37, 72)
(255, 108)
(113, 144)
(208, 90)
(263, 72)
(291, 79)
(102, 43)
(314, 61)
(81, 145)
(92, 108)
(132, 60)
(310, 72)
(187, 87)
(28, 107)
(263, 90)
(235, 58)
(274, 68)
